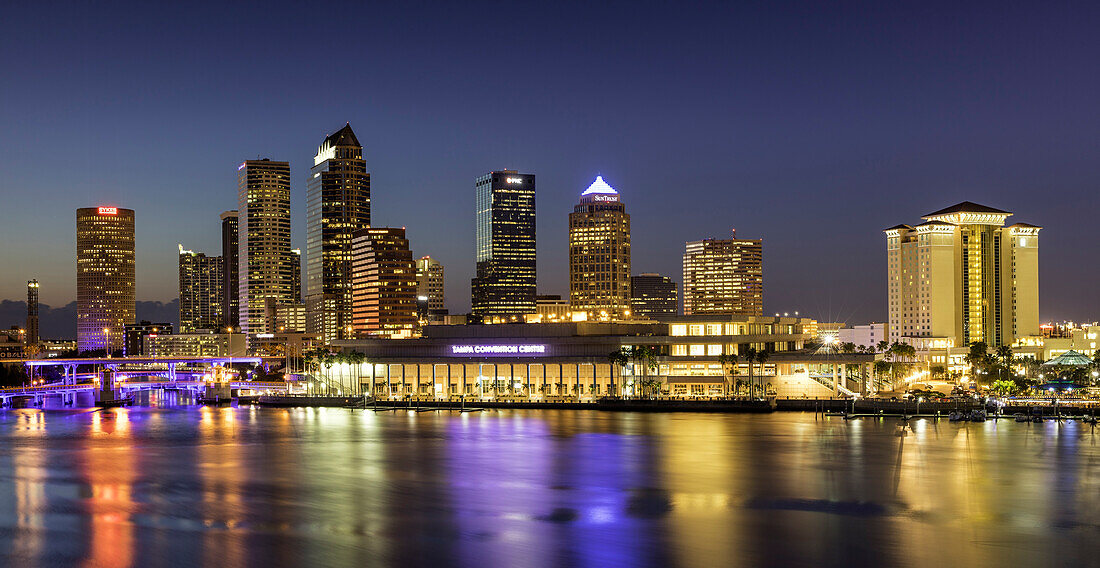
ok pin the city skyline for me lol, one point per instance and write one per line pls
(831, 168)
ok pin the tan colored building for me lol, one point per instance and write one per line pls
(383, 283)
(264, 258)
(724, 276)
(105, 288)
(429, 282)
(962, 276)
(599, 254)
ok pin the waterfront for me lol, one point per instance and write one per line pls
(180, 486)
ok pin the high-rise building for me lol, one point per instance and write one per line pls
(105, 288)
(724, 276)
(202, 292)
(264, 258)
(503, 287)
(429, 285)
(296, 274)
(30, 337)
(337, 205)
(384, 283)
(653, 295)
(599, 254)
(231, 292)
(961, 277)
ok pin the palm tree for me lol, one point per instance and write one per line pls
(645, 355)
(762, 357)
(883, 346)
(617, 358)
(750, 355)
(848, 347)
(729, 362)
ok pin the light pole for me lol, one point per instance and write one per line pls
(107, 341)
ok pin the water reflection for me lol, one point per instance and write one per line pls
(246, 486)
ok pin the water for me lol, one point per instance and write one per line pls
(226, 486)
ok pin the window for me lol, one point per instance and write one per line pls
(695, 329)
(678, 330)
(713, 350)
(679, 350)
(714, 329)
(696, 350)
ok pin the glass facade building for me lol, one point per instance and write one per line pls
(201, 291)
(337, 205)
(105, 287)
(653, 295)
(724, 276)
(505, 282)
(230, 270)
(383, 283)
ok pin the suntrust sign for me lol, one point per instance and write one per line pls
(605, 198)
(519, 349)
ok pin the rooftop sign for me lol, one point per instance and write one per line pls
(108, 210)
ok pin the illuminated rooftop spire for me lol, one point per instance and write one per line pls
(599, 186)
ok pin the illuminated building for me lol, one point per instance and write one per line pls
(864, 335)
(201, 293)
(724, 276)
(296, 274)
(288, 318)
(264, 256)
(599, 254)
(337, 205)
(231, 271)
(962, 276)
(653, 295)
(429, 286)
(504, 287)
(30, 336)
(198, 344)
(105, 297)
(569, 361)
(136, 334)
(384, 283)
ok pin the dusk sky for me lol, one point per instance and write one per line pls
(811, 126)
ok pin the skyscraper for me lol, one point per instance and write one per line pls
(105, 288)
(264, 258)
(599, 254)
(201, 281)
(30, 337)
(724, 276)
(337, 205)
(653, 295)
(231, 292)
(429, 284)
(504, 284)
(296, 275)
(961, 277)
(384, 283)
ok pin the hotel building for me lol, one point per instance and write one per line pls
(201, 291)
(383, 283)
(653, 295)
(429, 289)
(31, 340)
(724, 276)
(599, 254)
(337, 205)
(962, 276)
(263, 190)
(503, 288)
(105, 295)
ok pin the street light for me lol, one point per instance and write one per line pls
(107, 342)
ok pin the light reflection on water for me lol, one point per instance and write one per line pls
(248, 486)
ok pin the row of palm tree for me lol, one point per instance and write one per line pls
(316, 359)
(750, 355)
(640, 357)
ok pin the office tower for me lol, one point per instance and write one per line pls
(429, 285)
(724, 276)
(653, 295)
(231, 292)
(135, 335)
(296, 274)
(599, 254)
(337, 205)
(961, 277)
(264, 258)
(105, 297)
(384, 283)
(202, 292)
(30, 335)
(503, 287)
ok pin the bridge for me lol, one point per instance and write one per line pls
(123, 368)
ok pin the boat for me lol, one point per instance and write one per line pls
(115, 403)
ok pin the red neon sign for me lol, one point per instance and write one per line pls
(108, 210)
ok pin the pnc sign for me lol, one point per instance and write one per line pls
(514, 180)
(108, 210)
(524, 349)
